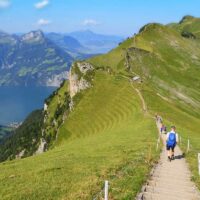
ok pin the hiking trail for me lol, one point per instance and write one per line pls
(144, 107)
(170, 180)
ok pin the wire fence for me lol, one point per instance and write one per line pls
(188, 144)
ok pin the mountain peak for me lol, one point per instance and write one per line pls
(185, 18)
(33, 36)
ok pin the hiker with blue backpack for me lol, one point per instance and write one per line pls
(171, 141)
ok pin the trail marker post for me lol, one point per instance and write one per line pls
(188, 146)
(199, 162)
(106, 190)
(157, 145)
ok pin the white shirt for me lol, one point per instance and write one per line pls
(167, 136)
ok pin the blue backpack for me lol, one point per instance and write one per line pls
(172, 139)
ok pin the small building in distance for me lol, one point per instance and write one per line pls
(136, 79)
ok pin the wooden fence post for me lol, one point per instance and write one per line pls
(188, 146)
(199, 162)
(106, 190)
(157, 145)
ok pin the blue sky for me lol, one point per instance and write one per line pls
(119, 17)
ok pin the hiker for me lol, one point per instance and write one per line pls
(158, 118)
(171, 141)
(163, 129)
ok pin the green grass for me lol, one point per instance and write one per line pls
(110, 139)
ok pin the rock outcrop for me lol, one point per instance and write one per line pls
(41, 147)
(84, 67)
(77, 82)
(56, 79)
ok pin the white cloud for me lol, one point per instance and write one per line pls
(90, 22)
(4, 3)
(43, 22)
(42, 4)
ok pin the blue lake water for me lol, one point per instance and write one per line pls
(17, 102)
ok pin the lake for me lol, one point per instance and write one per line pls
(17, 102)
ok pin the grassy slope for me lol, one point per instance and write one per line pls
(108, 123)
(110, 139)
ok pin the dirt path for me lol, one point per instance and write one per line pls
(170, 180)
(144, 107)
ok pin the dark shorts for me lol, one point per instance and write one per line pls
(170, 147)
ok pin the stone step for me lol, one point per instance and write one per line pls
(172, 190)
(171, 177)
(166, 182)
(167, 172)
(154, 196)
(170, 169)
(166, 193)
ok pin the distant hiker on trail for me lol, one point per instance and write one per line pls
(158, 118)
(163, 129)
(171, 141)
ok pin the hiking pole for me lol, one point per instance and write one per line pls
(106, 190)
(199, 162)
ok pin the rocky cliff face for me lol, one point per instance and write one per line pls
(77, 77)
(56, 79)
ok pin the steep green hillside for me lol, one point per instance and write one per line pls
(103, 130)
(110, 138)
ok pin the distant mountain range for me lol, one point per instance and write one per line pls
(31, 59)
(96, 43)
(38, 58)
(85, 42)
